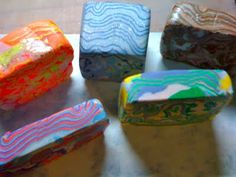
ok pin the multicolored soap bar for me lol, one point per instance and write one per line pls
(113, 40)
(33, 59)
(174, 97)
(200, 36)
(51, 137)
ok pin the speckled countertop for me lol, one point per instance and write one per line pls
(206, 149)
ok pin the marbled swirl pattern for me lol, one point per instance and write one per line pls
(52, 132)
(200, 36)
(203, 18)
(112, 32)
(33, 59)
(174, 97)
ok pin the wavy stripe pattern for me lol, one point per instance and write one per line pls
(115, 28)
(175, 96)
(48, 130)
(203, 18)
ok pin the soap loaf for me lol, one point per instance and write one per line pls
(51, 137)
(113, 40)
(200, 36)
(174, 97)
(33, 59)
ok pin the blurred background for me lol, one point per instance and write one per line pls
(67, 13)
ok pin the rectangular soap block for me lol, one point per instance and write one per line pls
(201, 37)
(51, 137)
(33, 59)
(113, 40)
(174, 97)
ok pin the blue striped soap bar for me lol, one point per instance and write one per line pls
(113, 40)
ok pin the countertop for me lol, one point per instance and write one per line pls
(205, 149)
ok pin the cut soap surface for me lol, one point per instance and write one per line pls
(200, 36)
(51, 137)
(174, 96)
(113, 40)
(33, 59)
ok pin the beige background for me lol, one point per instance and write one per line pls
(67, 13)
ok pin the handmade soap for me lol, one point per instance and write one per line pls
(113, 40)
(174, 97)
(51, 137)
(201, 37)
(33, 59)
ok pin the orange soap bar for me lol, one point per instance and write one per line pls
(33, 59)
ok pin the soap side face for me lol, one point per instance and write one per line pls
(201, 37)
(113, 40)
(49, 138)
(174, 97)
(33, 59)
(110, 67)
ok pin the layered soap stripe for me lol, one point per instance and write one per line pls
(39, 30)
(165, 85)
(115, 27)
(204, 18)
(43, 132)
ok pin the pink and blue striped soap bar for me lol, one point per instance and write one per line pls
(51, 137)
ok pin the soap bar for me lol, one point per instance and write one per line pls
(113, 40)
(51, 137)
(174, 97)
(201, 37)
(33, 59)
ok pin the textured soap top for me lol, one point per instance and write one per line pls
(202, 17)
(48, 130)
(28, 44)
(176, 84)
(116, 28)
